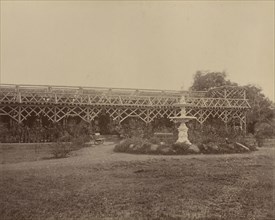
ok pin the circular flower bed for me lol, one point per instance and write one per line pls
(144, 146)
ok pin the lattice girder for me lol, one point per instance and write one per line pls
(53, 113)
(56, 103)
(146, 114)
(231, 92)
(11, 111)
(224, 114)
(217, 103)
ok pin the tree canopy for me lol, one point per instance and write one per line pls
(262, 111)
(206, 80)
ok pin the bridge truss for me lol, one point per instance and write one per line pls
(58, 102)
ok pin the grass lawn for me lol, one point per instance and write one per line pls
(183, 187)
(15, 153)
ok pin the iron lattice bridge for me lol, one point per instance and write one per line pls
(58, 102)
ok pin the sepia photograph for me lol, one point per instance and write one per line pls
(137, 110)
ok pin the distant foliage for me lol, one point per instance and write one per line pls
(34, 131)
(134, 127)
(260, 118)
(62, 148)
(206, 80)
(3, 132)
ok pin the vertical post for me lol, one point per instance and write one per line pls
(226, 121)
(55, 118)
(119, 116)
(88, 114)
(147, 116)
(201, 119)
(19, 115)
(244, 129)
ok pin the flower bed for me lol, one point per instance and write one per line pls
(137, 145)
(143, 146)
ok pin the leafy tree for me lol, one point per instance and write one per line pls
(262, 109)
(206, 80)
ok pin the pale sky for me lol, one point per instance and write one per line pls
(158, 45)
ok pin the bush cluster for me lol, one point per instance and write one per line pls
(133, 145)
(223, 148)
(206, 142)
(215, 139)
(62, 148)
(152, 146)
(36, 132)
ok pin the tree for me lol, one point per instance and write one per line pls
(262, 109)
(206, 80)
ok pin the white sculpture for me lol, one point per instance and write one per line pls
(183, 135)
(182, 119)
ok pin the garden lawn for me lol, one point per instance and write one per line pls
(15, 153)
(179, 187)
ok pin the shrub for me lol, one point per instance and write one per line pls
(264, 130)
(181, 148)
(61, 149)
(208, 147)
(143, 146)
(165, 149)
(154, 140)
(79, 142)
(123, 145)
(134, 144)
(250, 142)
